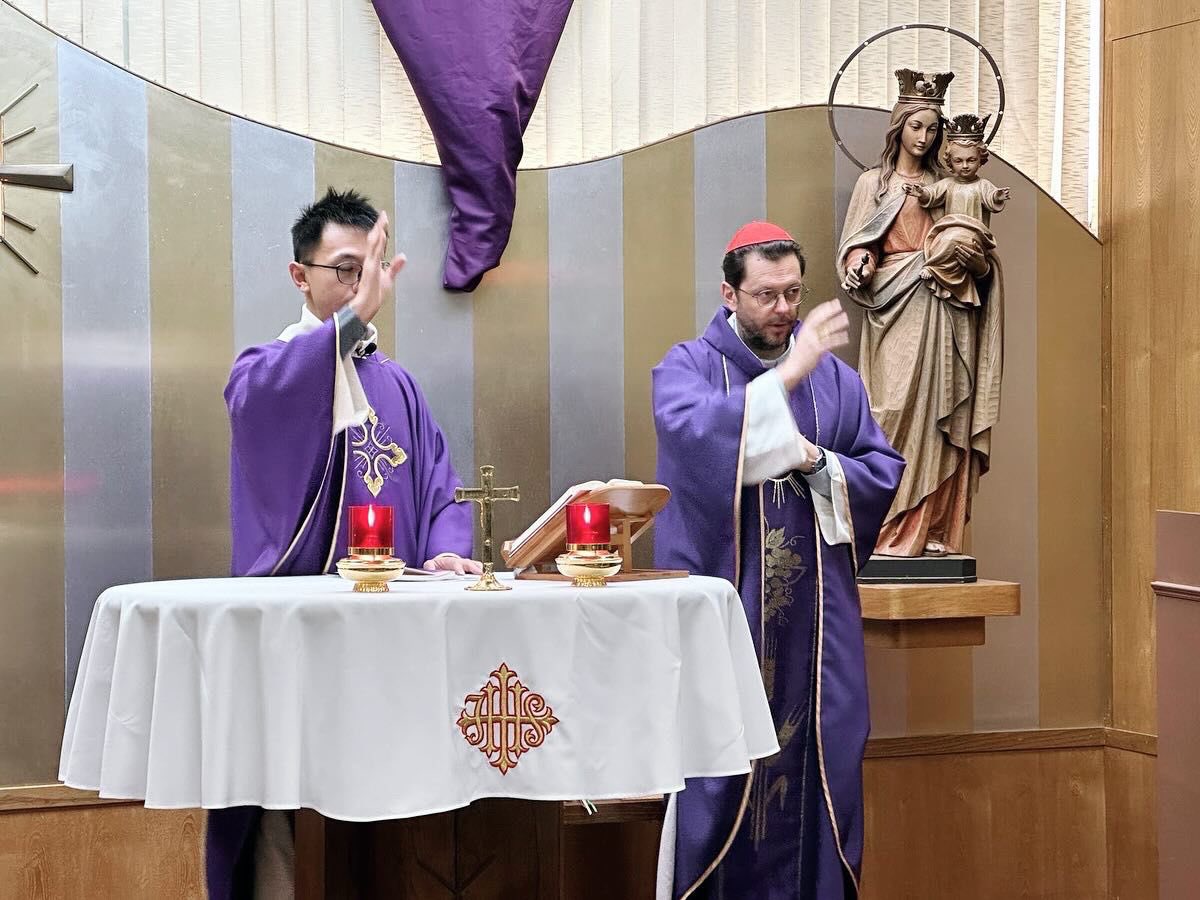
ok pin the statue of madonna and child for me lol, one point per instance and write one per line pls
(918, 256)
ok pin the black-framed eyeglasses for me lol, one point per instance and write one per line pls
(793, 296)
(347, 272)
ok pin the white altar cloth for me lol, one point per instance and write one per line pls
(295, 692)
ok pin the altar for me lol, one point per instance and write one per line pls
(296, 693)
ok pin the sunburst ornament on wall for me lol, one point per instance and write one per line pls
(47, 177)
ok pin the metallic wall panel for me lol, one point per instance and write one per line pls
(800, 170)
(191, 314)
(272, 181)
(105, 337)
(660, 288)
(512, 365)
(659, 282)
(434, 327)
(31, 488)
(587, 324)
(730, 178)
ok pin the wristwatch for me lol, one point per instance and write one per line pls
(820, 463)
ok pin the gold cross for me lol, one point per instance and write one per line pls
(49, 177)
(485, 495)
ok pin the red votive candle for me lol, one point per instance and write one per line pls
(587, 523)
(370, 528)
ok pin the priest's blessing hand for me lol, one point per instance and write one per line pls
(825, 328)
(452, 562)
(378, 274)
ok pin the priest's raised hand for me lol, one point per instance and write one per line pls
(826, 328)
(378, 274)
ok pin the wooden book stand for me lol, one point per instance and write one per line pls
(631, 510)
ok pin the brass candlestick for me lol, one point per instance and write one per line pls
(370, 569)
(485, 495)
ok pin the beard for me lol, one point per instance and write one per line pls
(761, 342)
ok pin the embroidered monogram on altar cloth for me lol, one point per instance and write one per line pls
(505, 719)
(375, 455)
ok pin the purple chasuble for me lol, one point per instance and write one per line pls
(292, 478)
(794, 827)
(291, 482)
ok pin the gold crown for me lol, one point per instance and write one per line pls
(915, 87)
(966, 127)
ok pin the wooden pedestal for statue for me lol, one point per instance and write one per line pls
(491, 850)
(934, 615)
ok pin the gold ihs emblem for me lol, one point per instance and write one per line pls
(505, 719)
(376, 456)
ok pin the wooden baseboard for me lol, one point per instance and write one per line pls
(50, 796)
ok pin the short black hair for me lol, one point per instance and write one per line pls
(348, 208)
(734, 264)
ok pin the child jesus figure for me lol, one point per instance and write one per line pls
(964, 193)
(961, 238)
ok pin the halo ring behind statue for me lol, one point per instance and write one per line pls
(872, 39)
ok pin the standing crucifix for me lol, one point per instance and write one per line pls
(485, 495)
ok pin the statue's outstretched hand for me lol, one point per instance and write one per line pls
(858, 275)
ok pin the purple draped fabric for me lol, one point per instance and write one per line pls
(291, 482)
(792, 838)
(476, 69)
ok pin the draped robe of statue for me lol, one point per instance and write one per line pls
(314, 432)
(793, 828)
(931, 356)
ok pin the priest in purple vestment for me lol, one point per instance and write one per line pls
(780, 479)
(320, 421)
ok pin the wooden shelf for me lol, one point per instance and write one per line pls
(900, 615)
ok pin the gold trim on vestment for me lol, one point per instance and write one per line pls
(729, 841)
(737, 574)
(337, 519)
(328, 459)
(837, 836)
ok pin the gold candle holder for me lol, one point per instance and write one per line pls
(589, 565)
(370, 569)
